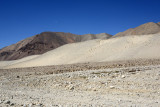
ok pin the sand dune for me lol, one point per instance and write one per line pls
(114, 49)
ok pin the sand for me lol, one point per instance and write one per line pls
(114, 49)
(8, 63)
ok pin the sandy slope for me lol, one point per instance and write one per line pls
(114, 49)
(8, 63)
(44, 42)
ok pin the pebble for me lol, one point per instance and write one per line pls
(24, 105)
(12, 104)
(77, 84)
(40, 104)
(123, 76)
(30, 105)
(72, 88)
(7, 102)
(112, 87)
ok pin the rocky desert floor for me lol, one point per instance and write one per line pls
(122, 84)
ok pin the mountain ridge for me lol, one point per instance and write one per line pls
(144, 29)
(110, 50)
(47, 41)
(42, 43)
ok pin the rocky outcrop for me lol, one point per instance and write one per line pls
(44, 42)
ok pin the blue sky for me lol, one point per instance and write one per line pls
(20, 19)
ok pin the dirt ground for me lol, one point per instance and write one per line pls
(121, 84)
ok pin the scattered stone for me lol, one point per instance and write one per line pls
(12, 97)
(157, 78)
(7, 102)
(106, 84)
(30, 105)
(123, 76)
(84, 88)
(40, 104)
(94, 89)
(72, 88)
(133, 70)
(111, 87)
(117, 71)
(24, 105)
(12, 104)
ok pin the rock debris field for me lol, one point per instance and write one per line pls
(106, 86)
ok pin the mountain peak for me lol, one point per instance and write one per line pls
(144, 29)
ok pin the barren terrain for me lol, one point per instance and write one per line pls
(118, 71)
(130, 83)
(114, 49)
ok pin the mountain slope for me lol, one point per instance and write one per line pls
(44, 42)
(145, 29)
(114, 49)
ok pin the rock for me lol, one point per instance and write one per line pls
(111, 87)
(123, 76)
(30, 105)
(106, 84)
(7, 102)
(12, 97)
(12, 104)
(26, 84)
(24, 105)
(157, 78)
(94, 89)
(59, 105)
(40, 104)
(72, 88)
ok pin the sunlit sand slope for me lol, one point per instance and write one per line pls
(114, 49)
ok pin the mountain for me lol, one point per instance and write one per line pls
(115, 49)
(47, 41)
(145, 29)
(44, 42)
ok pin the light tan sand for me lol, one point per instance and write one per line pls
(114, 49)
(8, 63)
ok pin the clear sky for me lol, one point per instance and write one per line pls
(20, 19)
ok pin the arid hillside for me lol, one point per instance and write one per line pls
(114, 49)
(44, 42)
(145, 29)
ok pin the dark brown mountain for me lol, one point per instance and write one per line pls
(145, 29)
(44, 42)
